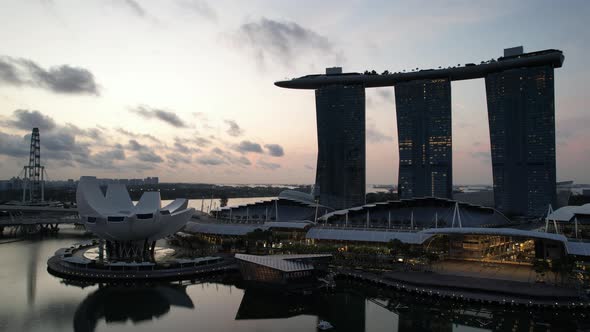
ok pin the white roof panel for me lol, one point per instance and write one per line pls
(567, 213)
(284, 263)
(222, 229)
(363, 235)
(288, 224)
(578, 248)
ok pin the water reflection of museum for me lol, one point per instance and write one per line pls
(121, 304)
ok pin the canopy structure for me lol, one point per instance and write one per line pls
(222, 229)
(289, 205)
(419, 212)
(360, 235)
(283, 263)
(569, 213)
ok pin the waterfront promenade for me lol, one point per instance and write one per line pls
(479, 290)
(66, 270)
(502, 271)
(71, 263)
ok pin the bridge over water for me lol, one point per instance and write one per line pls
(29, 219)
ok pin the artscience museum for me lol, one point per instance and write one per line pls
(129, 230)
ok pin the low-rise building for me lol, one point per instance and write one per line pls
(282, 269)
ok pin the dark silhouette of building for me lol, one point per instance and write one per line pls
(112, 304)
(34, 182)
(521, 108)
(340, 172)
(425, 141)
(521, 111)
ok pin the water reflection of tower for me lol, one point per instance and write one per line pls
(32, 273)
(119, 304)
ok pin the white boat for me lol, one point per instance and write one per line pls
(324, 325)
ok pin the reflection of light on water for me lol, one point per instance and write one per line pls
(161, 254)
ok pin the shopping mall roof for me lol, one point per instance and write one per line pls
(423, 210)
(287, 196)
(222, 229)
(269, 202)
(567, 213)
(243, 229)
(289, 224)
(362, 235)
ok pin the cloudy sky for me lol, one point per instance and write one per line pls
(183, 89)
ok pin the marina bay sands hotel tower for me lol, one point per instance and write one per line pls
(521, 112)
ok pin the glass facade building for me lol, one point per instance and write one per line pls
(425, 143)
(340, 172)
(521, 112)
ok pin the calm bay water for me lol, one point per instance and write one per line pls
(33, 300)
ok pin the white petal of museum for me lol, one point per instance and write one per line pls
(114, 217)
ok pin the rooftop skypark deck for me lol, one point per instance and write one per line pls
(554, 58)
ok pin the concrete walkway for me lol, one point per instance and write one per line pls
(57, 267)
(482, 290)
(500, 286)
(522, 273)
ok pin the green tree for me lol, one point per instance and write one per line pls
(397, 246)
(259, 237)
(541, 267)
(431, 257)
(562, 267)
(223, 200)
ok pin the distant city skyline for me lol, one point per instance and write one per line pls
(183, 90)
